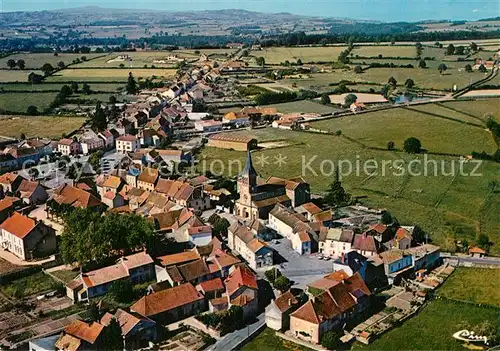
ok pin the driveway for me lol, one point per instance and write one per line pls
(302, 269)
(231, 341)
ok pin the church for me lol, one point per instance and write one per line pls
(258, 197)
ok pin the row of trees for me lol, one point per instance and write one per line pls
(11, 63)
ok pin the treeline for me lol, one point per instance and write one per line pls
(269, 98)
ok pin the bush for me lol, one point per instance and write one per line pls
(272, 274)
(282, 283)
(330, 340)
(412, 145)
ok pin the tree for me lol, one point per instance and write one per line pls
(33, 172)
(350, 99)
(21, 64)
(112, 338)
(450, 49)
(99, 121)
(386, 218)
(11, 63)
(281, 283)
(219, 224)
(442, 67)
(47, 69)
(260, 61)
(32, 110)
(86, 89)
(336, 194)
(74, 87)
(482, 68)
(392, 81)
(422, 64)
(473, 46)
(244, 53)
(122, 291)
(95, 160)
(66, 91)
(412, 145)
(465, 245)
(131, 87)
(390, 145)
(358, 69)
(34, 78)
(483, 241)
(331, 340)
(468, 68)
(410, 83)
(325, 99)
(459, 50)
(22, 136)
(61, 65)
(272, 274)
(299, 62)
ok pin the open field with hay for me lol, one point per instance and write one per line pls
(39, 126)
(111, 75)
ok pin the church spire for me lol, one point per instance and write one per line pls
(249, 173)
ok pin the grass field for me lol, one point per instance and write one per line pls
(276, 55)
(436, 134)
(19, 102)
(474, 285)
(433, 327)
(30, 285)
(479, 108)
(424, 78)
(36, 61)
(111, 87)
(268, 341)
(16, 75)
(305, 106)
(39, 126)
(385, 51)
(112, 75)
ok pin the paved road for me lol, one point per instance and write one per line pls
(230, 341)
(474, 260)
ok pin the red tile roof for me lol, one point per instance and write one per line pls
(127, 137)
(476, 249)
(211, 285)
(379, 228)
(84, 331)
(178, 258)
(285, 301)
(8, 178)
(70, 195)
(241, 276)
(18, 225)
(165, 300)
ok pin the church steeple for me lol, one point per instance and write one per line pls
(249, 174)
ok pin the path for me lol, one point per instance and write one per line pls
(8, 256)
(235, 339)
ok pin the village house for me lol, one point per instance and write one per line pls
(200, 235)
(242, 290)
(237, 119)
(7, 162)
(108, 138)
(76, 197)
(68, 147)
(474, 251)
(425, 256)
(211, 289)
(227, 141)
(397, 264)
(335, 242)
(147, 179)
(297, 189)
(80, 336)
(32, 193)
(43, 146)
(309, 210)
(366, 245)
(24, 156)
(137, 331)
(10, 182)
(137, 268)
(113, 200)
(372, 273)
(89, 145)
(7, 206)
(357, 107)
(208, 126)
(184, 194)
(330, 309)
(127, 143)
(278, 311)
(108, 183)
(27, 238)
(171, 305)
(254, 251)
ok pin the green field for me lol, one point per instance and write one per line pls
(111, 87)
(65, 275)
(433, 327)
(268, 341)
(305, 106)
(111, 75)
(30, 285)
(480, 108)
(436, 134)
(19, 102)
(474, 285)
(36, 61)
(38, 126)
(424, 78)
(277, 55)
(16, 75)
(385, 51)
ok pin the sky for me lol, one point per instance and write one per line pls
(382, 10)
